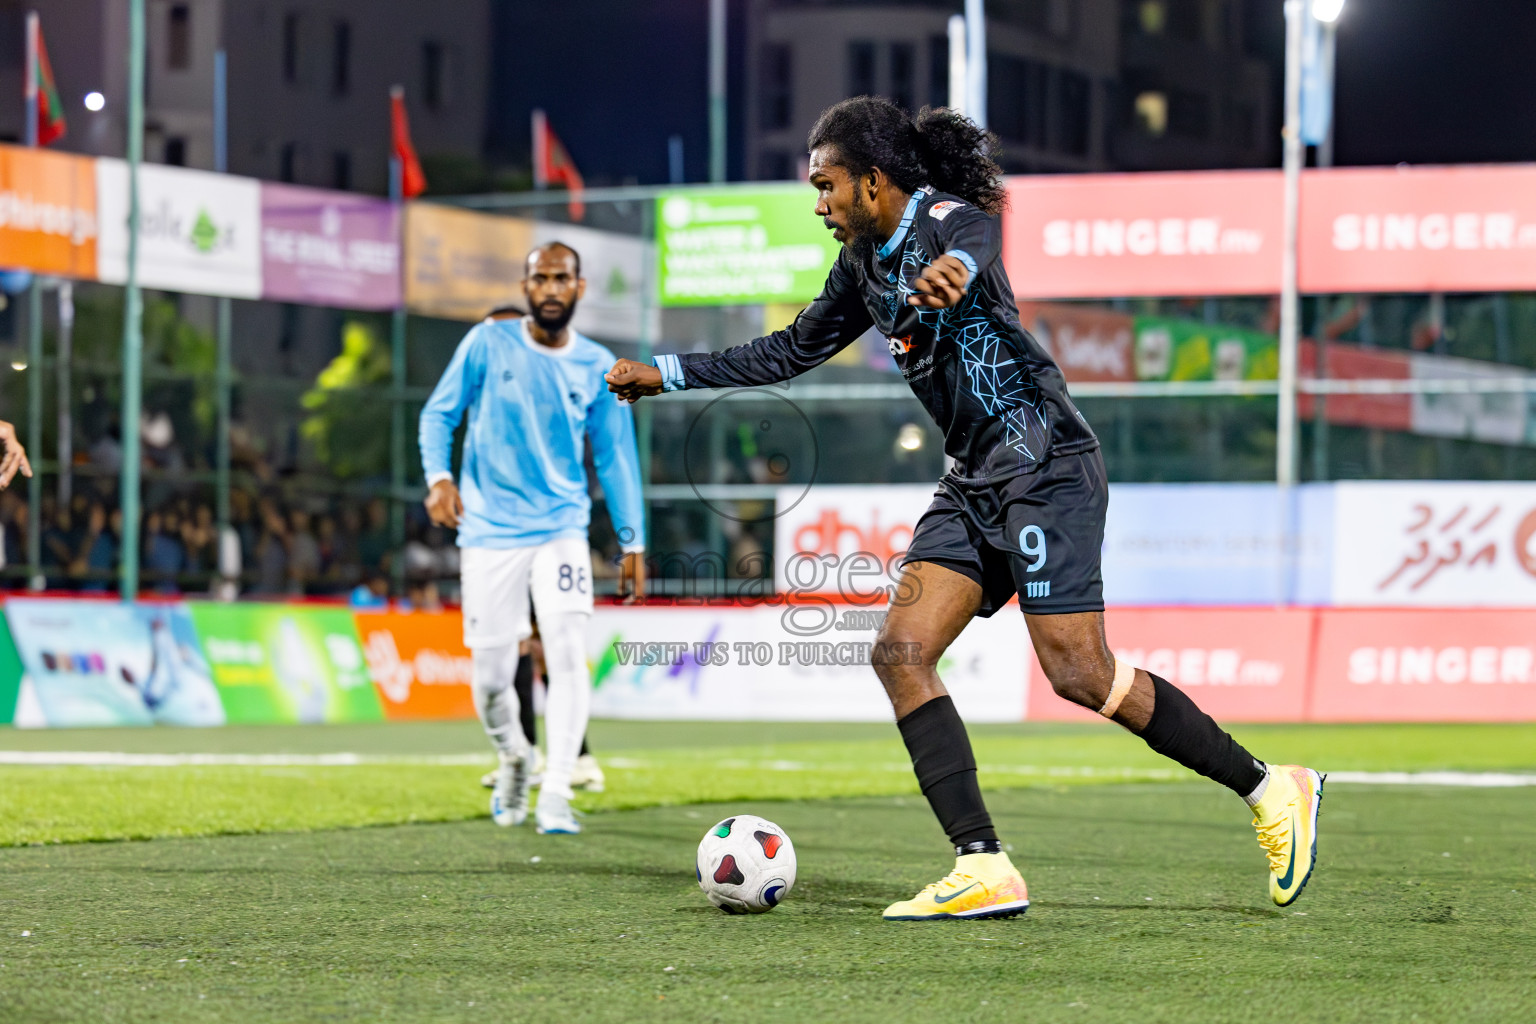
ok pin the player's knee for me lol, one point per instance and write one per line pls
(564, 638)
(1081, 677)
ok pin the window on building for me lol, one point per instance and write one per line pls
(861, 69)
(777, 85)
(903, 90)
(292, 24)
(1151, 110)
(1151, 16)
(775, 165)
(341, 58)
(1018, 98)
(341, 170)
(938, 71)
(1074, 112)
(178, 37)
(288, 162)
(175, 151)
(436, 75)
(1189, 114)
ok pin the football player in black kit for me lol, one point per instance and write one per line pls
(915, 203)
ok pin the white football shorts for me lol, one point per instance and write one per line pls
(497, 584)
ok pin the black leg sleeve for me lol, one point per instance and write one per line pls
(522, 682)
(946, 772)
(1180, 730)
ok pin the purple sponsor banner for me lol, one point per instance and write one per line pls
(329, 248)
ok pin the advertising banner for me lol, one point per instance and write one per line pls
(1408, 665)
(1238, 664)
(1435, 545)
(742, 246)
(1170, 349)
(1419, 229)
(782, 663)
(329, 248)
(199, 232)
(419, 664)
(286, 663)
(48, 219)
(10, 674)
(93, 663)
(1107, 235)
(1218, 544)
(615, 267)
(460, 264)
(1088, 343)
(1163, 543)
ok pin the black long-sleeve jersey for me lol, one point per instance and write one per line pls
(995, 392)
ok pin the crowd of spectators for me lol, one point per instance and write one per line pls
(313, 547)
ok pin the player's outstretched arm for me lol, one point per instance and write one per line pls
(15, 456)
(632, 381)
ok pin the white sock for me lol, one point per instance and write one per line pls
(569, 698)
(496, 700)
(1252, 799)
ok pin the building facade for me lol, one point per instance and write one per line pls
(1073, 85)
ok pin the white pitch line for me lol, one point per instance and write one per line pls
(118, 759)
(114, 759)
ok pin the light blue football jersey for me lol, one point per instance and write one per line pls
(529, 410)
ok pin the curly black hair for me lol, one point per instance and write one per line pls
(939, 147)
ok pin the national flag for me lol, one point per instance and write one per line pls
(42, 93)
(412, 181)
(1317, 49)
(552, 163)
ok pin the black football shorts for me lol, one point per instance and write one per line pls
(1039, 535)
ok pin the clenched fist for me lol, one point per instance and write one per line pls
(632, 381)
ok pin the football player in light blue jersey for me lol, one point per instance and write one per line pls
(533, 393)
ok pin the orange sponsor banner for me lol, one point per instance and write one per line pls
(1238, 664)
(1419, 229)
(1088, 343)
(1108, 235)
(1425, 665)
(419, 663)
(48, 220)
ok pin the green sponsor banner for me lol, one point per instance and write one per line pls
(742, 246)
(286, 663)
(10, 674)
(1169, 349)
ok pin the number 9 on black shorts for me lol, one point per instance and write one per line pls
(1039, 535)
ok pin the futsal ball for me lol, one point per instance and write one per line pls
(746, 865)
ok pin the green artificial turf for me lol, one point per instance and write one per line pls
(648, 764)
(1149, 907)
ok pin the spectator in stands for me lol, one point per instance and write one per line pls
(303, 553)
(164, 555)
(271, 549)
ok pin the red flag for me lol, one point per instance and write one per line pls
(41, 88)
(552, 163)
(412, 181)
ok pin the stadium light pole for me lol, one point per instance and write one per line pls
(133, 315)
(1290, 305)
(958, 83)
(222, 374)
(976, 61)
(34, 335)
(717, 91)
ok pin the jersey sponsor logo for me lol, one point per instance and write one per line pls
(899, 346)
(1038, 588)
(938, 211)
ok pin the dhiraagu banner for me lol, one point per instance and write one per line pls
(286, 663)
(741, 246)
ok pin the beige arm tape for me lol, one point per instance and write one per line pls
(1125, 675)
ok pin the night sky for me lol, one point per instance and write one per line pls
(1419, 81)
(1427, 81)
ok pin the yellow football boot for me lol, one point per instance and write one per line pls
(1286, 820)
(982, 885)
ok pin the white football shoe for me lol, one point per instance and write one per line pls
(509, 797)
(587, 775)
(554, 816)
